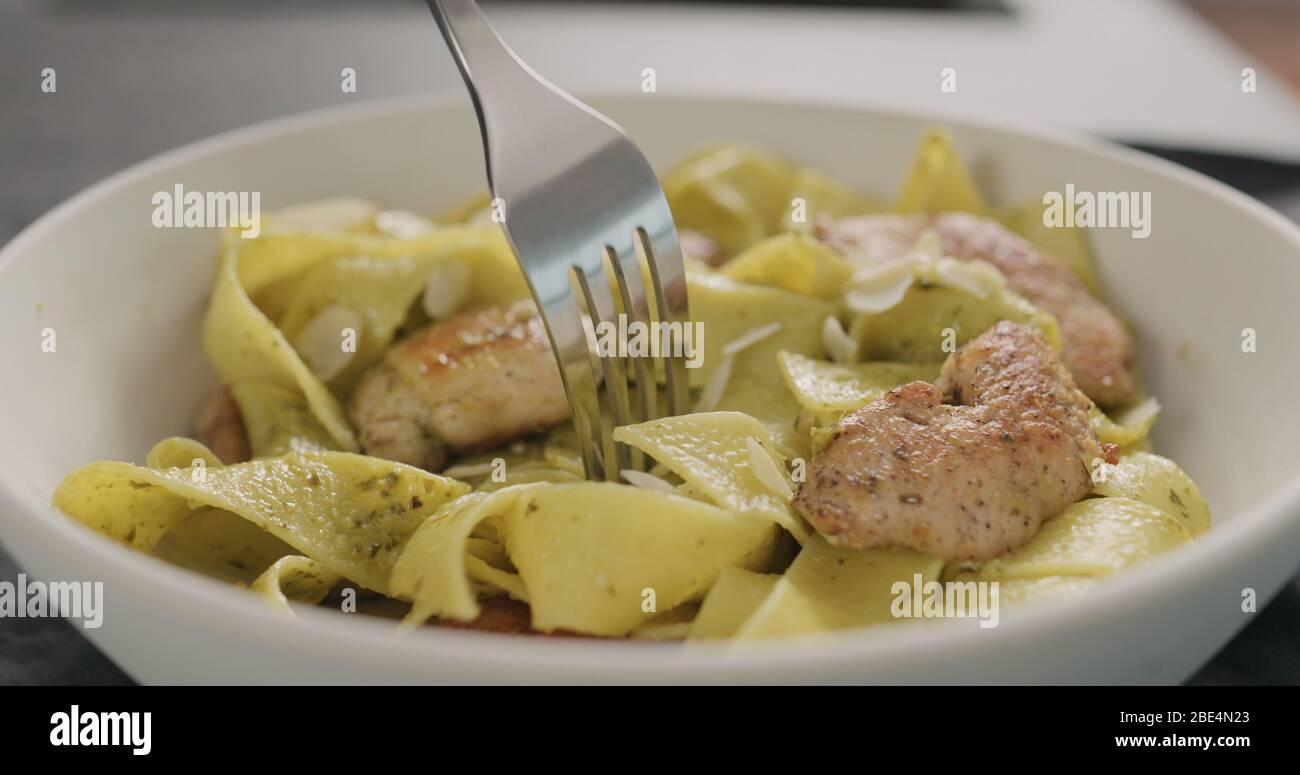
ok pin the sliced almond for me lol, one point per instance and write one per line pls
(446, 288)
(1145, 412)
(404, 224)
(765, 469)
(839, 345)
(714, 388)
(646, 481)
(751, 337)
(878, 294)
(468, 470)
(321, 342)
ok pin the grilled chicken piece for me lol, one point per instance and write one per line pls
(1095, 345)
(964, 469)
(475, 380)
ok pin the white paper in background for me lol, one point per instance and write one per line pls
(1135, 70)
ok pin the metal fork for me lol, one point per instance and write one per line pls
(583, 210)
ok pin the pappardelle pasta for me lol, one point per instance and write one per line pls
(927, 389)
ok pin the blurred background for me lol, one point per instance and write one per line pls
(138, 77)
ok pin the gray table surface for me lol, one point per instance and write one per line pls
(138, 82)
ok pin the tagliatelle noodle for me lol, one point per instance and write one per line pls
(295, 578)
(709, 452)
(350, 512)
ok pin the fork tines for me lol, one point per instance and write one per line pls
(622, 291)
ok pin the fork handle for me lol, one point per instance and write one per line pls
(479, 52)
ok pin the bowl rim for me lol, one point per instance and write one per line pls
(374, 640)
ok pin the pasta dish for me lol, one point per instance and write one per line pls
(926, 390)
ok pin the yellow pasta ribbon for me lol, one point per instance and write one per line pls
(1093, 537)
(938, 181)
(737, 195)
(830, 390)
(245, 346)
(735, 596)
(831, 588)
(432, 569)
(915, 330)
(586, 554)
(1157, 481)
(727, 310)
(793, 262)
(1128, 428)
(278, 420)
(295, 578)
(592, 554)
(709, 453)
(349, 512)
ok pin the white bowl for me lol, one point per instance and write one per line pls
(125, 300)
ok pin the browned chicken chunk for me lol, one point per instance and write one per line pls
(967, 468)
(1095, 345)
(472, 381)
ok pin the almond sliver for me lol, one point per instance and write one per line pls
(321, 341)
(839, 345)
(646, 481)
(751, 337)
(877, 297)
(404, 224)
(446, 288)
(764, 468)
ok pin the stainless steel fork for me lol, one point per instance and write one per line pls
(583, 211)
